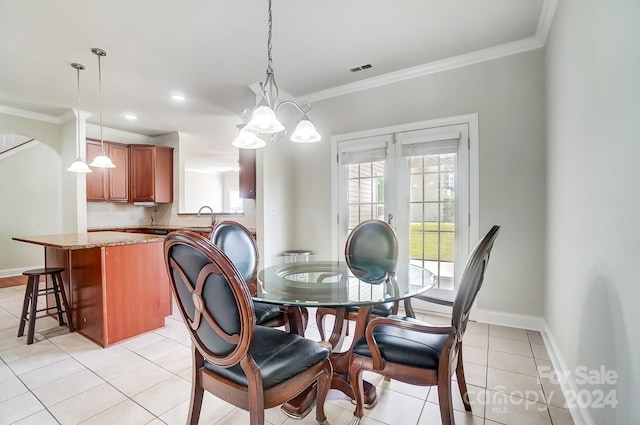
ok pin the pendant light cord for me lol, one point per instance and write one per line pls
(78, 118)
(100, 85)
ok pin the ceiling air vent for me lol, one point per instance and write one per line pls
(361, 68)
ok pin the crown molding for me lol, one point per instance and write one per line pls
(23, 113)
(167, 138)
(537, 41)
(71, 115)
(120, 136)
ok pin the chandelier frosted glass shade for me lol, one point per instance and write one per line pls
(248, 140)
(305, 132)
(102, 161)
(264, 121)
(79, 166)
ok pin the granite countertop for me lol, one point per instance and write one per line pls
(90, 239)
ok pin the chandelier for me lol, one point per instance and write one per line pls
(264, 125)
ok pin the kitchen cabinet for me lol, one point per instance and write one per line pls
(247, 174)
(116, 283)
(151, 173)
(108, 184)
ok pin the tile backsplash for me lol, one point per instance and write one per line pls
(117, 214)
(108, 214)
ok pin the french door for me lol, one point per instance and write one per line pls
(419, 182)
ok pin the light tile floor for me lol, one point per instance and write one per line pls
(63, 378)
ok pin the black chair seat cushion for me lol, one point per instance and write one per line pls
(401, 346)
(279, 355)
(382, 309)
(266, 312)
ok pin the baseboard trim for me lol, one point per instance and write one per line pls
(16, 272)
(580, 414)
(522, 321)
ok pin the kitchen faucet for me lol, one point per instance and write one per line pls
(213, 217)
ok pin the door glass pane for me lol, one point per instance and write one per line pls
(366, 192)
(432, 215)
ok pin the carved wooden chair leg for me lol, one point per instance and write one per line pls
(462, 383)
(197, 392)
(444, 398)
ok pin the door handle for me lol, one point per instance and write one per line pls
(389, 218)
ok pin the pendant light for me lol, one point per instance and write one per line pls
(264, 123)
(78, 166)
(102, 160)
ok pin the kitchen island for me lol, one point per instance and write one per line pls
(116, 282)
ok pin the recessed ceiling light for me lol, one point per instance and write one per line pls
(177, 97)
(131, 117)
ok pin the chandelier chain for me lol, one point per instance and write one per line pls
(269, 58)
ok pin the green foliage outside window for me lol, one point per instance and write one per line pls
(425, 235)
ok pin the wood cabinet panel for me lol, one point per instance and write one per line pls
(137, 292)
(87, 293)
(151, 173)
(247, 175)
(118, 182)
(96, 180)
(108, 184)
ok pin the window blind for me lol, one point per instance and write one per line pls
(432, 145)
(354, 154)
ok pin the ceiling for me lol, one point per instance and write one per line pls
(212, 51)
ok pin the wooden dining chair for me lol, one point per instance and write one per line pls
(371, 252)
(240, 246)
(251, 367)
(418, 353)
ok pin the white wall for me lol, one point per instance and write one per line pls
(204, 189)
(593, 234)
(30, 193)
(275, 199)
(508, 95)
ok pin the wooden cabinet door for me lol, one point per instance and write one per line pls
(151, 173)
(96, 180)
(164, 174)
(118, 182)
(247, 177)
(142, 173)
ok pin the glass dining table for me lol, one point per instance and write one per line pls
(311, 281)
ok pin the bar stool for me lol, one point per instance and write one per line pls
(31, 300)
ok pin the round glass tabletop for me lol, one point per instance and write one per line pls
(314, 281)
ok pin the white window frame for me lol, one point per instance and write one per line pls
(471, 120)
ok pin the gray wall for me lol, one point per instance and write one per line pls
(593, 235)
(508, 95)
